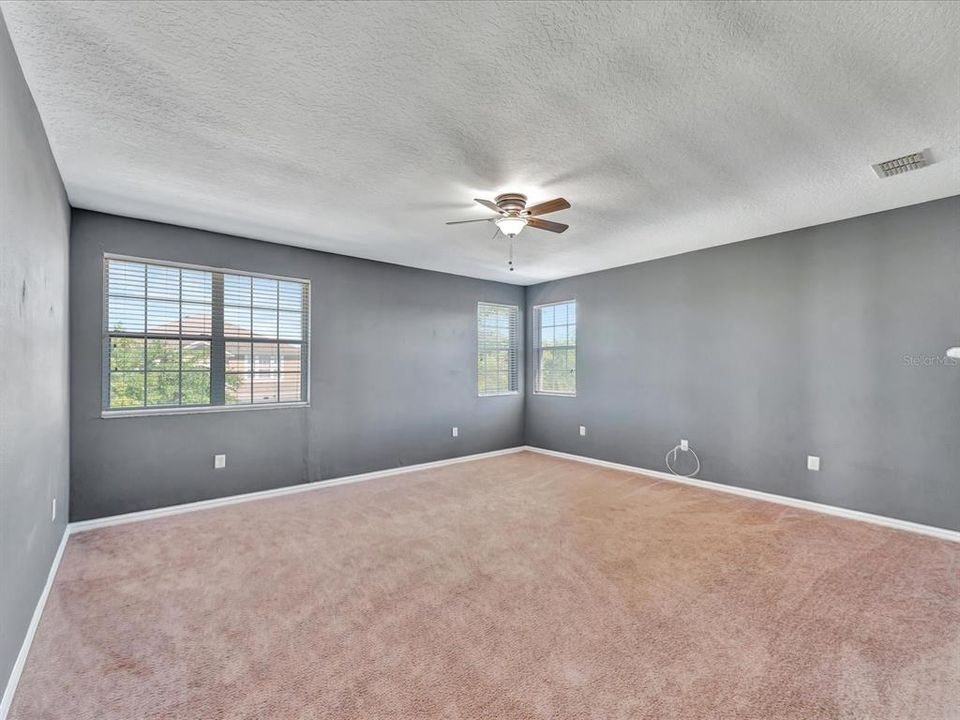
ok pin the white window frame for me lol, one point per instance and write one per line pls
(514, 348)
(106, 412)
(538, 349)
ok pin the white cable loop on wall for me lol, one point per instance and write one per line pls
(674, 452)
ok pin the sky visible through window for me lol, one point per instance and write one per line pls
(497, 349)
(556, 348)
(166, 332)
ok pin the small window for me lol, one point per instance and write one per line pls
(188, 337)
(555, 346)
(498, 349)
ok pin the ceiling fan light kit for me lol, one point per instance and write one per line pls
(511, 226)
(513, 215)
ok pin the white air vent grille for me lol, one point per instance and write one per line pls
(900, 165)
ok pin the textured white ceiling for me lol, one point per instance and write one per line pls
(360, 128)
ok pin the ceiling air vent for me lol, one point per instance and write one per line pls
(900, 165)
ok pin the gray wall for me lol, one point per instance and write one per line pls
(825, 341)
(34, 233)
(393, 368)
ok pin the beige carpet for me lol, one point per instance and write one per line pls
(516, 587)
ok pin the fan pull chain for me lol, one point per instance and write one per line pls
(510, 264)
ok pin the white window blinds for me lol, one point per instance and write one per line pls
(178, 336)
(555, 333)
(498, 349)
(263, 328)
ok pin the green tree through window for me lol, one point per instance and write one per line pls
(161, 335)
(556, 348)
(498, 349)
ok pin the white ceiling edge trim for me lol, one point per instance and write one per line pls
(670, 127)
(242, 231)
(247, 231)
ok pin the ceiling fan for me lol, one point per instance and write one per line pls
(513, 215)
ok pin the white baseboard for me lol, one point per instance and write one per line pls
(942, 533)
(7, 700)
(84, 525)
(21, 660)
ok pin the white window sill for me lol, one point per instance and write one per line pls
(147, 412)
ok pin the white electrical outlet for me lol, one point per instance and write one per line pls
(53, 511)
(455, 432)
(583, 430)
(813, 462)
(684, 445)
(219, 462)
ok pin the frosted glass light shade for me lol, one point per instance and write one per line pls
(510, 226)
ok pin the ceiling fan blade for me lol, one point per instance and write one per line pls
(461, 222)
(547, 207)
(546, 225)
(490, 204)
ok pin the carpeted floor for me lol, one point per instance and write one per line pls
(520, 586)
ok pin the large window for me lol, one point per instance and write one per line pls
(555, 345)
(498, 349)
(189, 337)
